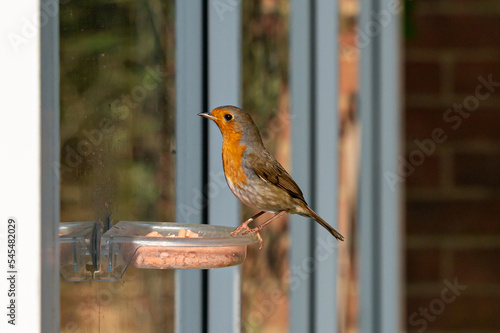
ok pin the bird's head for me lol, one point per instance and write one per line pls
(234, 122)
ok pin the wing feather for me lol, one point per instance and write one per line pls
(270, 170)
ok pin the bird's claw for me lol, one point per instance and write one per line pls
(248, 230)
(235, 232)
(256, 230)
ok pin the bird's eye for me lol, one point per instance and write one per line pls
(228, 117)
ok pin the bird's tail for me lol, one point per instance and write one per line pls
(323, 223)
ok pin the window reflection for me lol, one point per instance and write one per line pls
(349, 153)
(265, 35)
(117, 148)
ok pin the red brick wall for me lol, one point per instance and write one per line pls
(453, 196)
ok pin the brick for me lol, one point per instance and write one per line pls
(466, 76)
(477, 169)
(422, 77)
(473, 2)
(457, 31)
(463, 7)
(419, 123)
(426, 175)
(422, 265)
(464, 313)
(468, 43)
(453, 217)
(477, 266)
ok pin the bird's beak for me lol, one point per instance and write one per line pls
(207, 115)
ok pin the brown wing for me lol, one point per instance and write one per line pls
(270, 170)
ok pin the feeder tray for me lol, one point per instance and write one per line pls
(164, 245)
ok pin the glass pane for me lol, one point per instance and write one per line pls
(265, 298)
(265, 96)
(117, 149)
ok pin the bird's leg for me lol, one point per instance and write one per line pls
(261, 226)
(244, 225)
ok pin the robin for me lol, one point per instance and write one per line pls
(254, 176)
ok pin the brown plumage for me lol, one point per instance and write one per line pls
(254, 176)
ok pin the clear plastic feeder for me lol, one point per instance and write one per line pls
(164, 245)
(75, 246)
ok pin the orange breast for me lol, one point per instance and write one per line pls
(232, 152)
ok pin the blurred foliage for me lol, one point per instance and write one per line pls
(117, 62)
(117, 109)
(265, 57)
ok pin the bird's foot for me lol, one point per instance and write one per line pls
(242, 226)
(246, 230)
(236, 231)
